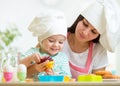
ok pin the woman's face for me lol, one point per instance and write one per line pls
(85, 31)
(52, 45)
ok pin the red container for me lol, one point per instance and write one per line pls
(8, 76)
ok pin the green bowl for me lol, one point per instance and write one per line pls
(21, 76)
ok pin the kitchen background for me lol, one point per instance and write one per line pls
(20, 13)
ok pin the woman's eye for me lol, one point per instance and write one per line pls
(86, 25)
(93, 31)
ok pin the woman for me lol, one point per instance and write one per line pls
(94, 32)
(85, 53)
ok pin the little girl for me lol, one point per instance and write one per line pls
(51, 31)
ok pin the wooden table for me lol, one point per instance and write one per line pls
(116, 83)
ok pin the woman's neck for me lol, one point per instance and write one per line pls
(77, 46)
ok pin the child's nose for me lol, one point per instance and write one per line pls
(56, 44)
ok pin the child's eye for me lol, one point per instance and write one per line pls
(51, 40)
(61, 42)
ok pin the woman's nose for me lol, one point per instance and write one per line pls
(86, 31)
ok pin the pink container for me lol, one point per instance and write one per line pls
(8, 76)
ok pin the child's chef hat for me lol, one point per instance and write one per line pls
(49, 24)
(104, 15)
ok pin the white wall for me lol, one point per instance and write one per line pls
(21, 13)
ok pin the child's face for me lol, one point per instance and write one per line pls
(52, 45)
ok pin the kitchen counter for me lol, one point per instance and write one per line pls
(114, 83)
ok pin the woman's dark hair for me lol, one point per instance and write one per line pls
(73, 27)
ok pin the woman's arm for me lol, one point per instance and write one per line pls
(101, 69)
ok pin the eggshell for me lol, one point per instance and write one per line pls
(8, 68)
(22, 68)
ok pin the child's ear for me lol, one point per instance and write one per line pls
(38, 45)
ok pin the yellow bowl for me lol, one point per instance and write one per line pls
(90, 78)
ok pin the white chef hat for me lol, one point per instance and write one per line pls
(49, 24)
(104, 15)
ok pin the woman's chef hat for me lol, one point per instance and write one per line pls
(104, 15)
(49, 24)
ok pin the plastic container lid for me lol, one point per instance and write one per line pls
(51, 78)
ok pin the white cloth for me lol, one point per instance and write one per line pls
(49, 24)
(104, 15)
(99, 59)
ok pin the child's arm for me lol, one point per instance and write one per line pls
(29, 57)
(28, 61)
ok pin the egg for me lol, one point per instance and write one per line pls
(22, 68)
(8, 68)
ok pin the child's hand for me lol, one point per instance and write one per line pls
(46, 58)
(49, 71)
(50, 64)
(41, 66)
(36, 58)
